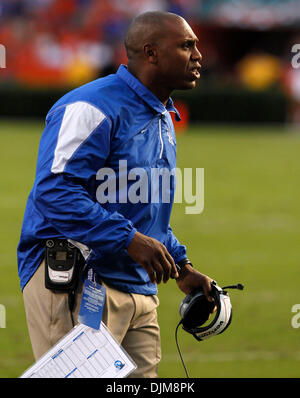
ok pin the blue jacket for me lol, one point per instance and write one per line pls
(92, 130)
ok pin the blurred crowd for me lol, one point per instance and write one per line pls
(55, 43)
(52, 42)
(258, 14)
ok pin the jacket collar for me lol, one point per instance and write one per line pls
(146, 95)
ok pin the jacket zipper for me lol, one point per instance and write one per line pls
(160, 137)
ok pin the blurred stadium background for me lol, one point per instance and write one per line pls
(241, 124)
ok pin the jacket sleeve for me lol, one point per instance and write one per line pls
(177, 251)
(74, 146)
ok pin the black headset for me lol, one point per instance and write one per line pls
(195, 310)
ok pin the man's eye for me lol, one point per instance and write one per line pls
(188, 44)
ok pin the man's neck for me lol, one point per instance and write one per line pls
(162, 93)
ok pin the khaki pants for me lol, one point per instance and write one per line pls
(131, 318)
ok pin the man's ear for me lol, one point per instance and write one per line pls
(150, 53)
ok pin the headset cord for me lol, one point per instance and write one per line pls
(183, 364)
(71, 302)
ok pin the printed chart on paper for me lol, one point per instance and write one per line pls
(84, 353)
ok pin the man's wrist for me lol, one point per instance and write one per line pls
(184, 271)
(180, 265)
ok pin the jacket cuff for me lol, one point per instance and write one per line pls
(130, 237)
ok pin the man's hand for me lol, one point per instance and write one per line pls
(190, 279)
(153, 256)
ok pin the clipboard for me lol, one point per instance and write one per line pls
(84, 353)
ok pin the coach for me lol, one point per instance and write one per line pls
(130, 246)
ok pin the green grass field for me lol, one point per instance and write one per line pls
(248, 232)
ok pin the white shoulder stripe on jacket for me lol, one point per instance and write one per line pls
(79, 121)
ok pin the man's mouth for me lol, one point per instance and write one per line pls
(195, 71)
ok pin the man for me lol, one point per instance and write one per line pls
(129, 246)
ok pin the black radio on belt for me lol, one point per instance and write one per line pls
(64, 262)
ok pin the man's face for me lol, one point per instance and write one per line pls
(178, 56)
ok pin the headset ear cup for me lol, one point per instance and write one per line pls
(195, 310)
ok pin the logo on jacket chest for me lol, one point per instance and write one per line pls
(170, 138)
(169, 134)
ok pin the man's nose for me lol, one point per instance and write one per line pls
(196, 55)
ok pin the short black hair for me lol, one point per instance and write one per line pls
(147, 26)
